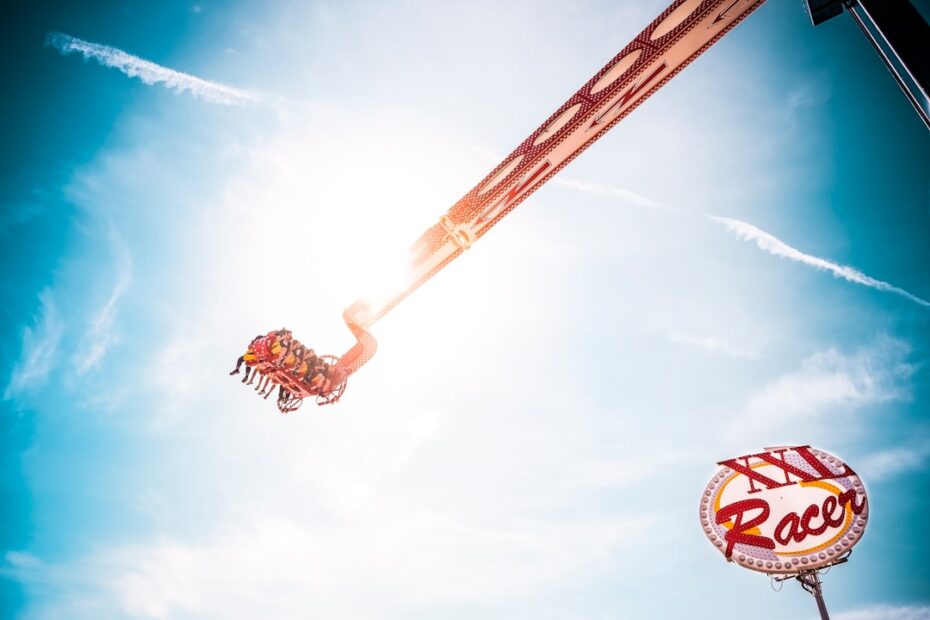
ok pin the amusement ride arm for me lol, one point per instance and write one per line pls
(678, 36)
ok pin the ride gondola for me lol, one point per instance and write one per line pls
(279, 361)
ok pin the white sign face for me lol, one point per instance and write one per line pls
(784, 510)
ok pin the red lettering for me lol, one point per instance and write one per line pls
(829, 506)
(805, 453)
(795, 528)
(752, 474)
(850, 497)
(811, 512)
(781, 463)
(789, 521)
(737, 534)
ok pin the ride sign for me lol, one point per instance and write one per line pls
(784, 510)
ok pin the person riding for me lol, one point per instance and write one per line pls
(296, 359)
(287, 356)
(306, 365)
(248, 356)
(318, 380)
(276, 343)
(272, 357)
(312, 362)
(263, 382)
(262, 347)
(286, 343)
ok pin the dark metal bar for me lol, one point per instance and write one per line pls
(822, 10)
(901, 36)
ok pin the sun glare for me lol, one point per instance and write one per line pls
(323, 175)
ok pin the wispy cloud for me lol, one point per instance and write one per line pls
(22, 560)
(40, 348)
(807, 95)
(613, 192)
(827, 382)
(419, 556)
(617, 473)
(747, 232)
(151, 73)
(886, 612)
(712, 344)
(174, 374)
(100, 335)
(802, 103)
(895, 461)
(769, 243)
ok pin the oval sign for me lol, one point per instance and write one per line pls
(784, 510)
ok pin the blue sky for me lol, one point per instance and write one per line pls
(533, 436)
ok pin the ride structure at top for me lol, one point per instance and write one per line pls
(679, 35)
(899, 35)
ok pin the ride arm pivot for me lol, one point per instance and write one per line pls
(358, 320)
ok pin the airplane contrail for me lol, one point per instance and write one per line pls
(613, 192)
(151, 73)
(747, 232)
(771, 244)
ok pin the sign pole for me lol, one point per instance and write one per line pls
(810, 581)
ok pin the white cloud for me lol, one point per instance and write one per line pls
(803, 103)
(776, 247)
(100, 336)
(40, 349)
(618, 473)
(886, 612)
(269, 565)
(712, 344)
(827, 382)
(22, 560)
(808, 95)
(892, 462)
(174, 372)
(747, 232)
(597, 189)
(151, 73)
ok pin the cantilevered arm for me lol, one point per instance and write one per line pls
(366, 345)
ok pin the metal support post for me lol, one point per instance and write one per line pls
(810, 581)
